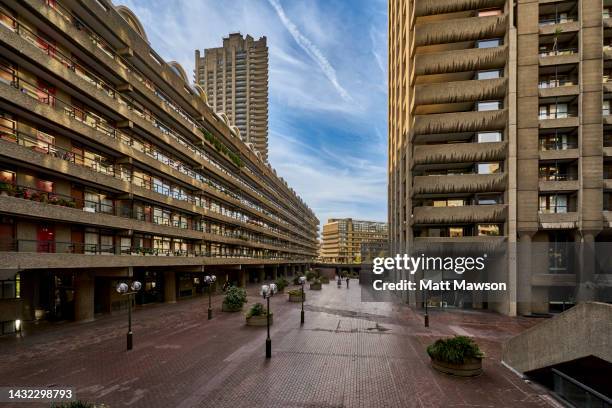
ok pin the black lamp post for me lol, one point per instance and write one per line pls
(123, 289)
(267, 291)
(426, 314)
(208, 281)
(302, 281)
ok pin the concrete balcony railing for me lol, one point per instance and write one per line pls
(464, 214)
(552, 122)
(471, 59)
(465, 183)
(459, 153)
(565, 27)
(558, 185)
(564, 90)
(432, 7)
(446, 246)
(461, 29)
(458, 122)
(560, 154)
(461, 91)
(567, 220)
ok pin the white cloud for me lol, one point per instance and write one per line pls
(311, 50)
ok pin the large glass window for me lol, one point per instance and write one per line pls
(490, 74)
(488, 168)
(486, 137)
(494, 42)
(488, 106)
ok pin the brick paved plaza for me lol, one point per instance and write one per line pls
(348, 354)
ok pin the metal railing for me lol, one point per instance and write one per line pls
(557, 176)
(557, 82)
(558, 51)
(577, 393)
(555, 145)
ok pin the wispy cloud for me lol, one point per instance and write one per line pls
(311, 49)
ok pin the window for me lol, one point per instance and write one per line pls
(492, 74)
(605, 108)
(488, 137)
(488, 168)
(489, 12)
(488, 106)
(488, 230)
(495, 42)
(554, 111)
(455, 232)
(489, 199)
(553, 204)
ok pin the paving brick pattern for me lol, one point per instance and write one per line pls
(348, 354)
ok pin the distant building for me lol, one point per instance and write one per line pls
(343, 239)
(235, 78)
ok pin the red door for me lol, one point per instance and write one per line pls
(45, 237)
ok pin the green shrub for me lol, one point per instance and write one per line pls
(257, 309)
(235, 297)
(295, 292)
(77, 404)
(324, 279)
(316, 281)
(281, 283)
(310, 275)
(454, 350)
(296, 280)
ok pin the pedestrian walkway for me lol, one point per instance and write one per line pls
(347, 354)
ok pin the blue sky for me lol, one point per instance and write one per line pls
(328, 87)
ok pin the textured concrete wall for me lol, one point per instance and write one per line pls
(584, 330)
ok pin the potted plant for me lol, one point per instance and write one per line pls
(315, 284)
(258, 315)
(234, 299)
(295, 295)
(324, 279)
(5, 188)
(296, 280)
(281, 283)
(458, 355)
(310, 275)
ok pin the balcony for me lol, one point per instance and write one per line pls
(461, 214)
(464, 183)
(558, 220)
(471, 59)
(432, 7)
(559, 49)
(459, 153)
(460, 91)
(457, 122)
(461, 29)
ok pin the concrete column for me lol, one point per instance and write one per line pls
(525, 271)
(261, 274)
(170, 287)
(585, 267)
(274, 272)
(83, 297)
(242, 278)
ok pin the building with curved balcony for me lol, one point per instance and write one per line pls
(113, 167)
(499, 135)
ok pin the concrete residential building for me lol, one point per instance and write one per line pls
(235, 78)
(344, 238)
(112, 167)
(499, 136)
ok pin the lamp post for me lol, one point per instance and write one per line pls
(426, 317)
(124, 289)
(302, 281)
(267, 291)
(208, 281)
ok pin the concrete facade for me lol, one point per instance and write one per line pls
(343, 239)
(113, 168)
(498, 129)
(235, 78)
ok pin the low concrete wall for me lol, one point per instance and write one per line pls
(584, 330)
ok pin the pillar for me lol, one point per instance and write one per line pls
(274, 272)
(242, 278)
(170, 287)
(585, 267)
(524, 273)
(83, 296)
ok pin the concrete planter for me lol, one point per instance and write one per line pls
(470, 368)
(259, 320)
(296, 298)
(225, 308)
(315, 286)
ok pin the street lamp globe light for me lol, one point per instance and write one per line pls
(267, 291)
(123, 289)
(208, 281)
(302, 281)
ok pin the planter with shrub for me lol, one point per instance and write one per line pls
(295, 295)
(315, 284)
(310, 275)
(281, 283)
(234, 299)
(324, 279)
(257, 315)
(458, 356)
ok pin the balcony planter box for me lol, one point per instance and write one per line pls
(296, 297)
(315, 286)
(259, 321)
(231, 309)
(470, 367)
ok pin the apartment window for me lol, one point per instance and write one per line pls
(605, 108)
(449, 203)
(554, 204)
(491, 43)
(488, 137)
(554, 111)
(488, 106)
(490, 74)
(488, 199)
(456, 232)
(492, 230)
(559, 252)
(488, 168)
(490, 12)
